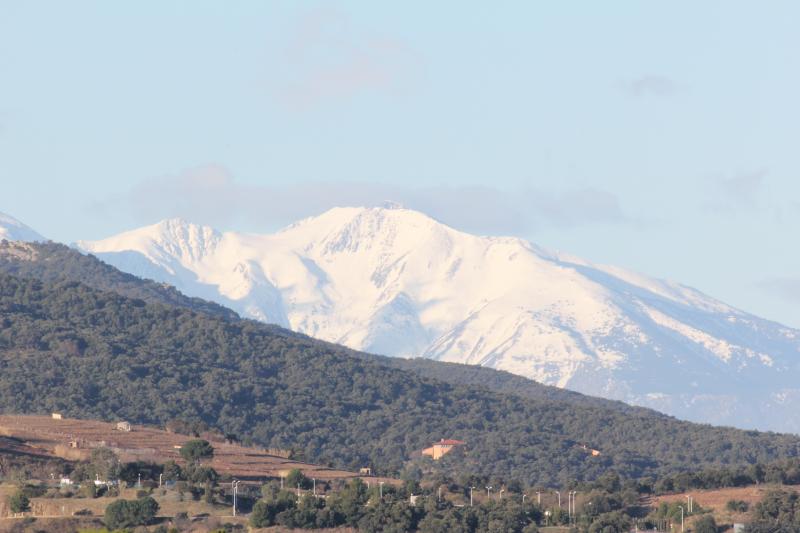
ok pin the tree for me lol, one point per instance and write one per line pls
(296, 478)
(705, 524)
(614, 522)
(172, 471)
(197, 449)
(262, 515)
(18, 502)
(129, 513)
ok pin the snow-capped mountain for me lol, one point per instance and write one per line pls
(12, 229)
(397, 282)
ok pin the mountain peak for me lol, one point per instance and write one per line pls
(13, 230)
(395, 281)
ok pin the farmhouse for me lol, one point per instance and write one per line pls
(123, 426)
(442, 448)
(56, 416)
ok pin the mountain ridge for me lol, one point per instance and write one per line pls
(65, 347)
(397, 282)
(13, 230)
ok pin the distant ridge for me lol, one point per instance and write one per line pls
(13, 230)
(397, 282)
(68, 348)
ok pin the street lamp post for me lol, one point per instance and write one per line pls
(470, 495)
(681, 518)
(235, 489)
(381, 488)
(559, 499)
(314, 480)
(501, 493)
(489, 493)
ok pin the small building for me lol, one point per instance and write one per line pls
(365, 471)
(442, 448)
(592, 451)
(412, 499)
(123, 426)
(65, 482)
(56, 416)
(74, 444)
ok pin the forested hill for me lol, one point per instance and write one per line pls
(87, 353)
(52, 262)
(506, 383)
(49, 261)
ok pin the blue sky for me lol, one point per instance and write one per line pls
(658, 136)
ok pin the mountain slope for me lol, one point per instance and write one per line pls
(52, 262)
(55, 262)
(68, 348)
(12, 229)
(397, 282)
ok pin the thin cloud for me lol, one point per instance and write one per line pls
(738, 193)
(327, 59)
(211, 195)
(786, 288)
(649, 85)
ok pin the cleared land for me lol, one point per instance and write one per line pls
(716, 500)
(45, 436)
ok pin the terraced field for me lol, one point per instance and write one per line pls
(45, 436)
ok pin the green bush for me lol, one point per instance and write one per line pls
(130, 513)
(19, 502)
(195, 450)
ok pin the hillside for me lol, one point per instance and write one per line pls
(91, 354)
(53, 262)
(43, 437)
(399, 283)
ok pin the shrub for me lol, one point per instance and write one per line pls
(737, 506)
(128, 513)
(195, 450)
(19, 502)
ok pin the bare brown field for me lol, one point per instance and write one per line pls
(716, 499)
(45, 436)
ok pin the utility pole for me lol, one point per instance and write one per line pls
(439, 494)
(681, 518)
(314, 480)
(281, 482)
(470, 495)
(572, 500)
(381, 489)
(569, 507)
(489, 493)
(159, 480)
(559, 499)
(234, 489)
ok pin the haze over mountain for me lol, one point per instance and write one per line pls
(13, 230)
(396, 282)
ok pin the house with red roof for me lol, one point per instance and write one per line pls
(442, 448)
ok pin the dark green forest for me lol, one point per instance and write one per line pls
(50, 261)
(94, 354)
